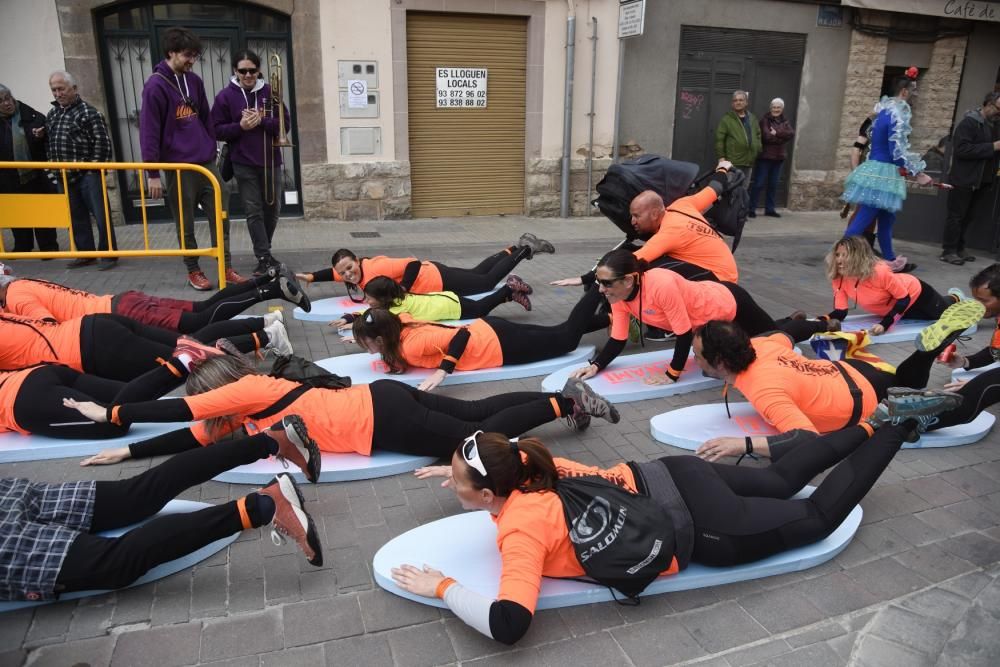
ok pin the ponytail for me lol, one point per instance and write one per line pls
(526, 466)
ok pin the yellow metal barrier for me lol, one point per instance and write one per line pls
(52, 211)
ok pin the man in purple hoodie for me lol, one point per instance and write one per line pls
(175, 126)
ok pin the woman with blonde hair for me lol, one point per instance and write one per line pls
(855, 273)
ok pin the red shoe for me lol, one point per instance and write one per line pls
(290, 519)
(517, 284)
(196, 351)
(234, 278)
(295, 446)
(199, 281)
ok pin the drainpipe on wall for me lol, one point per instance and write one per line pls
(593, 82)
(568, 109)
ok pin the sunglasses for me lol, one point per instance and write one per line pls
(248, 70)
(608, 282)
(470, 453)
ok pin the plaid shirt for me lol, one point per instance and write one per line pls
(38, 523)
(76, 133)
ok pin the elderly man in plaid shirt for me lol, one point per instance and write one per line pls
(77, 132)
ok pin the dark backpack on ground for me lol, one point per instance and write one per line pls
(308, 374)
(623, 540)
(622, 182)
(304, 371)
(729, 214)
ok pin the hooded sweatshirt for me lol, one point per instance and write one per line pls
(246, 146)
(172, 128)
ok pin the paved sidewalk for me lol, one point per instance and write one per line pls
(917, 586)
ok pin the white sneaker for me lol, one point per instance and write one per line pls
(958, 294)
(273, 316)
(278, 338)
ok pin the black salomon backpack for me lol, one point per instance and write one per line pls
(622, 182)
(623, 540)
(729, 214)
(306, 372)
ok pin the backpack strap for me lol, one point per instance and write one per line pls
(282, 402)
(856, 395)
(701, 220)
(659, 486)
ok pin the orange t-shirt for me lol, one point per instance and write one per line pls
(10, 384)
(670, 302)
(339, 420)
(877, 294)
(428, 278)
(424, 346)
(691, 240)
(790, 391)
(38, 300)
(533, 538)
(26, 342)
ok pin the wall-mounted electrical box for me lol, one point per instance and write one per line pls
(370, 110)
(360, 141)
(354, 70)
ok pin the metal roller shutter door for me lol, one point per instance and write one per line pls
(466, 161)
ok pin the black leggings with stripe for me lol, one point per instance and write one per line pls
(484, 276)
(743, 514)
(416, 422)
(978, 394)
(95, 562)
(526, 343)
(39, 409)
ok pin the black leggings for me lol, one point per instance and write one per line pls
(229, 302)
(929, 304)
(473, 309)
(978, 394)
(119, 348)
(95, 562)
(913, 372)
(685, 269)
(39, 409)
(415, 422)
(483, 277)
(743, 514)
(526, 343)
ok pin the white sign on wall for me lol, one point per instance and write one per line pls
(357, 94)
(461, 87)
(631, 18)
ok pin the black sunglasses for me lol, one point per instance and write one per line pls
(608, 282)
(248, 70)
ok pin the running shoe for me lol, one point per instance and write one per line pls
(194, 353)
(199, 281)
(521, 299)
(290, 518)
(516, 284)
(277, 339)
(536, 244)
(923, 405)
(273, 316)
(957, 294)
(295, 446)
(293, 293)
(234, 278)
(589, 401)
(953, 321)
(658, 335)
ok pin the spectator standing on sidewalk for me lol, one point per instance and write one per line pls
(775, 132)
(175, 126)
(973, 172)
(737, 137)
(77, 132)
(18, 143)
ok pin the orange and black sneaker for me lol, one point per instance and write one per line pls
(295, 446)
(290, 518)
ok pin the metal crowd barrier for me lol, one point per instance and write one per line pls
(52, 211)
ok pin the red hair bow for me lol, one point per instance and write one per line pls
(911, 73)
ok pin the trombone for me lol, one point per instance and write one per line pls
(274, 106)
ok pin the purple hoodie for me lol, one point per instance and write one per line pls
(170, 129)
(246, 146)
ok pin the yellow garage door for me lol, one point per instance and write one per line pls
(466, 158)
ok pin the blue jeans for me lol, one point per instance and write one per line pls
(770, 171)
(86, 198)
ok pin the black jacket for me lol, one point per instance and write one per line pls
(974, 161)
(30, 119)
